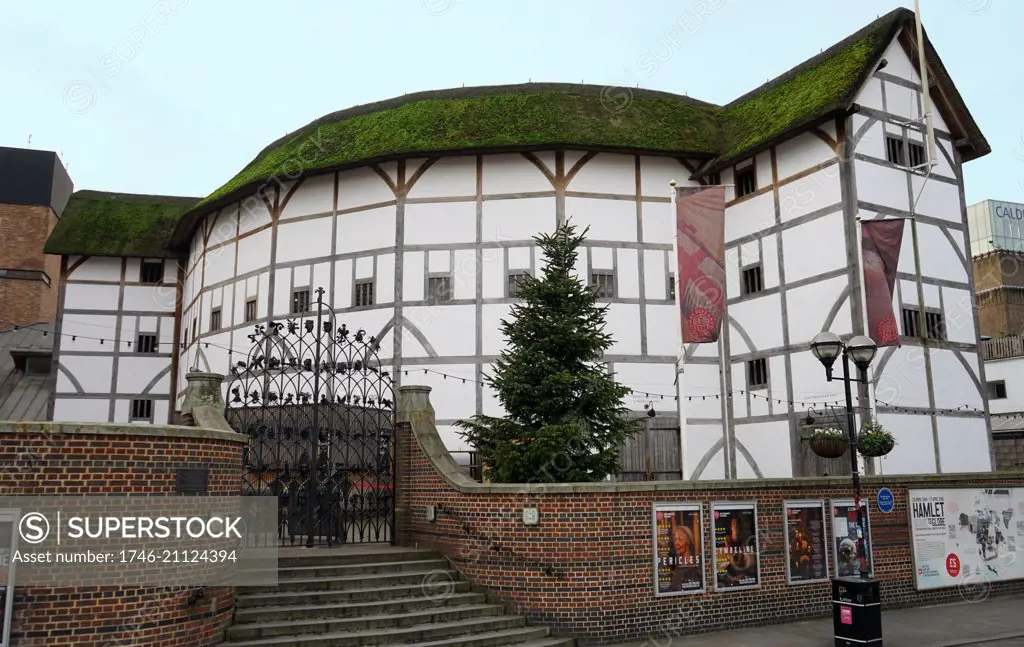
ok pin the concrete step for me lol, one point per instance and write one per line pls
(347, 570)
(350, 609)
(362, 581)
(361, 554)
(473, 632)
(274, 597)
(529, 637)
(396, 621)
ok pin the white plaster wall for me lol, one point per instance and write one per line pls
(512, 174)
(505, 220)
(749, 216)
(95, 268)
(1010, 371)
(963, 445)
(914, 452)
(768, 444)
(607, 219)
(808, 194)
(80, 410)
(606, 173)
(699, 441)
(91, 297)
(315, 195)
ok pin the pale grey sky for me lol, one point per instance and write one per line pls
(176, 96)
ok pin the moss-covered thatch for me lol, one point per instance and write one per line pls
(117, 224)
(491, 118)
(508, 118)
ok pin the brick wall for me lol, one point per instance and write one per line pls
(23, 233)
(1008, 447)
(69, 459)
(587, 568)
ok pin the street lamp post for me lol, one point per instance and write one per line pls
(856, 602)
(828, 347)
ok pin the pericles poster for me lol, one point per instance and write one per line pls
(966, 535)
(851, 560)
(678, 549)
(736, 549)
(806, 545)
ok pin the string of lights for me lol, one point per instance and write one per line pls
(820, 403)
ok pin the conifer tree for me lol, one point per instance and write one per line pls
(565, 417)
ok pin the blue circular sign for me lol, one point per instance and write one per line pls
(885, 500)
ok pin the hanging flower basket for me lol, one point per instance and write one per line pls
(874, 440)
(829, 443)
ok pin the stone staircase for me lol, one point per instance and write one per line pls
(360, 596)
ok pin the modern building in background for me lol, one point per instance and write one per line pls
(997, 248)
(417, 216)
(996, 225)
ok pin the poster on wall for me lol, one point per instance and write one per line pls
(806, 543)
(737, 559)
(8, 546)
(678, 549)
(845, 534)
(966, 535)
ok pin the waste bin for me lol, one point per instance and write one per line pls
(856, 612)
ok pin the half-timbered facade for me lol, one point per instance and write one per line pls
(422, 246)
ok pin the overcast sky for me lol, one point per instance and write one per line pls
(176, 96)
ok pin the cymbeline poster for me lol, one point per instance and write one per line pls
(806, 544)
(8, 546)
(736, 550)
(968, 535)
(678, 549)
(846, 534)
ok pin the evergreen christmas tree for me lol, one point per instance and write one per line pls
(565, 417)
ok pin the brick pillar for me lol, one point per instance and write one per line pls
(413, 400)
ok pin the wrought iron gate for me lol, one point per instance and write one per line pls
(318, 408)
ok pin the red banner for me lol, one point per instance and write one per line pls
(700, 239)
(881, 240)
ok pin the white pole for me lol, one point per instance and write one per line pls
(925, 93)
(681, 359)
(864, 321)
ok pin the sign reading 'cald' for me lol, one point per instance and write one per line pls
(966, 535)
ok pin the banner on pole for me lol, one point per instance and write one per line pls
(881, 241)
(700, 262)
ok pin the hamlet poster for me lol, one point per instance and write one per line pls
(851, 554)
(966, 536)
(678, 549)
(736, 548)
(806, 545)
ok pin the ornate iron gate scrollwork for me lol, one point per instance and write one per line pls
(318, 408)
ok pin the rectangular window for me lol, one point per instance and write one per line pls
(915, 154)
(671, 287)
(757, 374)
(894, 150)
(911, 322)
(753, 281)
(38, 366)
(515, 283)
(215, 319)
(936, 325)
(996, 390)
(151, 272)
(714, 179)
(195, 327)
(250, 310)
(300, 302)
(605, 284)
(145, 343)
(364, 293)
(746, 181)
(439, 289)
(142, 410)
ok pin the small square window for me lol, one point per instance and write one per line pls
(439, 289)
(515, 283)
(38, 366)
(915, 154)
(996, 390)
(142, 410)
(894, 150)
(151, 272)
(671, 287)
(911, 322)
(753, 280)
(936, 325)
(364, 293)
(250, 310)
(757, 374)
(300, 302)
(145, 343)
(714, 179)
(605, 284)
(746, 181)
(215, 319)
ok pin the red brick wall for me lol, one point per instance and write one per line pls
(599, 547)
(52, 459)
(23, 233)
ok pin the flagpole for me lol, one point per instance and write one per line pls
(869, 373)
(681, 357)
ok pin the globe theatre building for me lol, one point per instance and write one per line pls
(416, 217)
